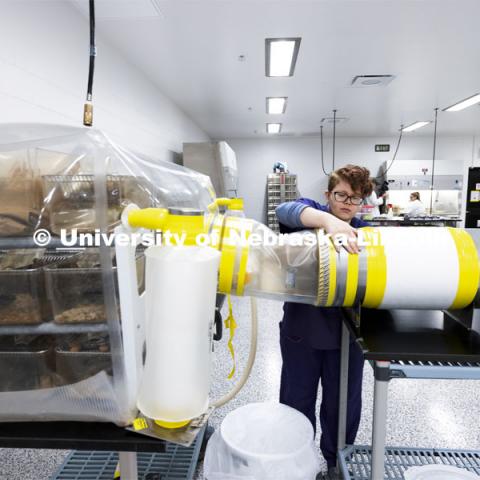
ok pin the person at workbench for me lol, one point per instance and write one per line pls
(415, 206)
(310, 337)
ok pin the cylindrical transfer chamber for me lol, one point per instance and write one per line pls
(414, 267)
(431, 268)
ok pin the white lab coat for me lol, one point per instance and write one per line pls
(415, 208)
(375, 201)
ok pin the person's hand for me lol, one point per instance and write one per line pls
(343, 232)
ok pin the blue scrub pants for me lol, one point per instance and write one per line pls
(302, 370)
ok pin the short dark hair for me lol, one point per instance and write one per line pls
(357, 177)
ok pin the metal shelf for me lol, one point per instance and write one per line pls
(404, 344)
(355, 461)
(281, 187)
(176, 462)
(435, 370)
(50, 328)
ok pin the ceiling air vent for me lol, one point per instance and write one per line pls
(365, 81)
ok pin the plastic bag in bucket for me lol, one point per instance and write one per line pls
(262, 441)
(439, 472)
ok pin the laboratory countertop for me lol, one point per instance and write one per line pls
(408, 221)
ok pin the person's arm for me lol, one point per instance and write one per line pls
(313, 218)
(289, 213)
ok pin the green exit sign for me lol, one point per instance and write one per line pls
(382, 147)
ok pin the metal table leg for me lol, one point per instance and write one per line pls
(128, 465)
(380, 401)
(343, 394)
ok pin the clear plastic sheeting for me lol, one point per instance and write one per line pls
(62, 355)
(262, 441)
(47, 180)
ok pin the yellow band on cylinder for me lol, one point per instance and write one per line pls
(468, 268)
(332, 286)
(242, 269)
(376, 269)
(227, 265)
(234, 237)
(352, 280)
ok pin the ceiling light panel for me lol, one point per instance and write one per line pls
(414, 126)
(281, 56)
(274, 127)
(276, 105)
(468, 102)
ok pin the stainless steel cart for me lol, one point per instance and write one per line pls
(422, 344)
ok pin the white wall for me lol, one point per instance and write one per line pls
(476, 152)
(44, 68)
(255, 158)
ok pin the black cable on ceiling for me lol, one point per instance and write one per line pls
(383, 175)
(88, 107)
(433, 160)
(333, 146)
(321, 150)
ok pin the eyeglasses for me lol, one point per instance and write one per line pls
(343, 198)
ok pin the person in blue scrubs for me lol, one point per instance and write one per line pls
(310, 336)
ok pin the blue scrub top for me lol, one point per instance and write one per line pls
(321, 326)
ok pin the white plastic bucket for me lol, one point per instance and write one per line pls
(439, 472)
(181, 285)
(263, 441)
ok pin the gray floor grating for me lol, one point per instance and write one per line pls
(176, 463)
(355, 461)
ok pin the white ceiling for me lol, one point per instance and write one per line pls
(191, 49)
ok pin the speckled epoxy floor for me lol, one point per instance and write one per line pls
(421, 413)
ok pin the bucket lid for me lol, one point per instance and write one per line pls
(439, 472)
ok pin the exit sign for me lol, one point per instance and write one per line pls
(382, 147)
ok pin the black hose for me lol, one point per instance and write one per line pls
(333, 146)
(93, 49)
(88, 110)
(394, 156)
(321, 150)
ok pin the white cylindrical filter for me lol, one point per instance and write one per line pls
(419, 261)
(420, 267)
(181, 285)
(263, 441)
